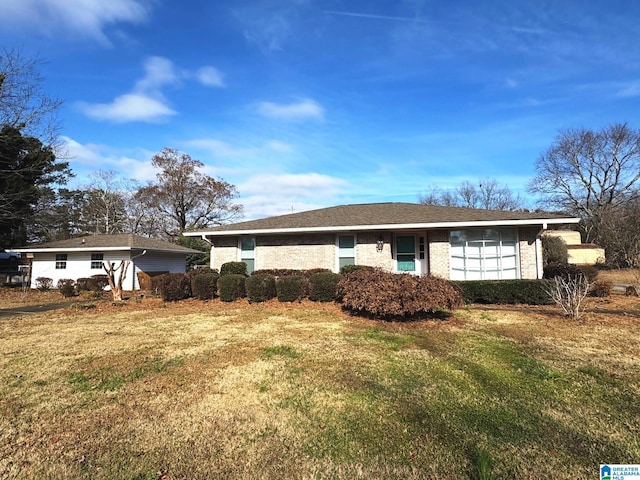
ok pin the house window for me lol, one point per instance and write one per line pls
(248, 253)
(484, 254)
(96, 260)
(61, 261)
(406, 253)
(346, 250)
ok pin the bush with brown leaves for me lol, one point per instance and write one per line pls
(390, 296)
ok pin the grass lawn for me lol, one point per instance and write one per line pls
(199, 390)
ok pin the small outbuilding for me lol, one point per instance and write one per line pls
(84, 257)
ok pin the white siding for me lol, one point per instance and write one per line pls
(79, 265)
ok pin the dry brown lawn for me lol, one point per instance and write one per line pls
(194, 390)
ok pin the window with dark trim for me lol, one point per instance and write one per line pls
(248, 253)
(61, 261)
(96, 260)
(346, 250)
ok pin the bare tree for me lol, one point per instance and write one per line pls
(23, 102)
(116, 279)
(569, 292)
(619, 233)
(487, 194)
(107, 199)
(184, 198)
(586, 173)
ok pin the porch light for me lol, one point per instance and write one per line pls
(380, 243)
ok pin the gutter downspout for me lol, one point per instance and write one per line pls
(539, 261)
(133, 275)
(204, 237)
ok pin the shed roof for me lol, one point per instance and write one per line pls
(108, 242)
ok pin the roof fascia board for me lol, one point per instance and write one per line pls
(394, 226)
(94, 249)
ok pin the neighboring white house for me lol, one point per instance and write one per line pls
(84, 257)
(450, 242)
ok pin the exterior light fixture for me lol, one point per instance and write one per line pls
(379, 243)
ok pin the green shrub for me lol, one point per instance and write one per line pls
(67, 287)
(233, 268)
(292, 288)
(392, 296)
(204, 286)
(529, 292)
(352, 268)
(231, 287)
(201, 271)
(323, 287)
(554, 250)
(260, 288)
(287, 272)
(175, 286)
(44, 284)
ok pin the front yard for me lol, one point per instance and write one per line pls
(197, 390)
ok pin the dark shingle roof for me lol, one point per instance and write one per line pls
(370, 214)
(120, 241)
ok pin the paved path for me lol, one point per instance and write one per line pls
(27, 309)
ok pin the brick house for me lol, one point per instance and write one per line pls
(450, 242)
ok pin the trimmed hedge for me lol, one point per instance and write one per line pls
(147, 282)
(554, 249)
(323, 287)
(95, 283)
(204, 286)
(201, 271)
(529, 292)
(231, 287)
(287, 272)
(260, 288)
(44, 284)
(233, 268)
(67, 287)
(292, 288)
(174, 286)
(352, 268)
(393, 296)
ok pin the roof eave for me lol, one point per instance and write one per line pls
(97, 249)
(394, 226)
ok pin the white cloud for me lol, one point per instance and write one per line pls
(219, 148)
(131, 107)
(85, 17)
(302, 110)
(89, 157)
(146, 102)
(158, 72)
(210, 76)
(269, 194)
(629, 90)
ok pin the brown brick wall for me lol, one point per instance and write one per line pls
(299, 252)
(367, 253)
(439, 252)
(527, 246)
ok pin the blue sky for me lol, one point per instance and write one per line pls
(304, 103)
